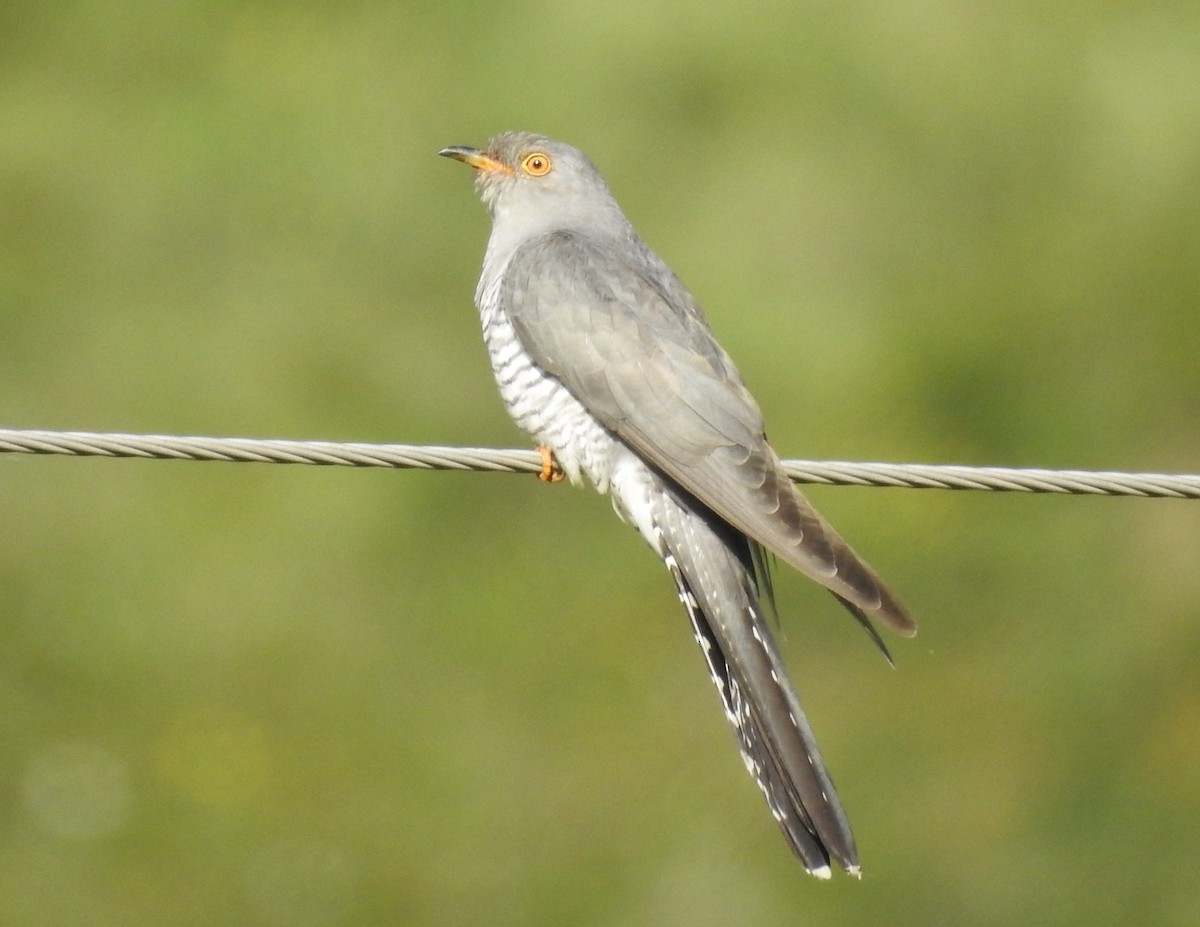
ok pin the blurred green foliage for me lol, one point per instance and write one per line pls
(268, 695)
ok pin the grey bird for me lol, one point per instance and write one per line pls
(608, 362)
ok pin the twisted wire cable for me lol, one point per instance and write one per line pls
(432, 457)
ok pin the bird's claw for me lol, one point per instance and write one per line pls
(551, 472)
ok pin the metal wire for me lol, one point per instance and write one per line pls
(407, 456)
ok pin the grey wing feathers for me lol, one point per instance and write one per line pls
(635, 350)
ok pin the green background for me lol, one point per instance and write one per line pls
(279, 696)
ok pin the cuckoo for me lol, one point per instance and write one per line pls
(608, 362)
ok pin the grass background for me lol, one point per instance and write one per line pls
(265, 695)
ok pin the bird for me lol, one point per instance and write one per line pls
(607, 361)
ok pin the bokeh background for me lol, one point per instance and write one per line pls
(258, 695)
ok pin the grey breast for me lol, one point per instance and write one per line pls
(537, 401)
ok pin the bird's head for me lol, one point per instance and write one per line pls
(537, 184)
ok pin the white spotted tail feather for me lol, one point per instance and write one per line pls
(713, 567)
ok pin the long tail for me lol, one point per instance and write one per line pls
(713, 568)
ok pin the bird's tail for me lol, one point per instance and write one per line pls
(714, 569)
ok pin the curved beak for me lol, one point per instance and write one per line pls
(480, 160)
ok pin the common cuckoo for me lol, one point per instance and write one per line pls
(607, 361)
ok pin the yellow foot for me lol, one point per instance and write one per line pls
(551, 472)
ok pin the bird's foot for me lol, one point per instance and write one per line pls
(551, 472)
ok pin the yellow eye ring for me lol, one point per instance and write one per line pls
(536, 164)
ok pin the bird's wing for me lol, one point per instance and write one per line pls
(649, 369)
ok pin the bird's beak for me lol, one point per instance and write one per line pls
(480, 160)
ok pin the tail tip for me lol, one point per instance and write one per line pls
(825, 873)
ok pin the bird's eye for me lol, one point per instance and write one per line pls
(536, 164)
